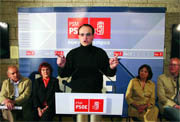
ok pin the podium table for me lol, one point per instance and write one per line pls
(89, 103)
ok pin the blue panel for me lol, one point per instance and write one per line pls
(93, 9)
(36, 10)
(128, 33)
(28, 67)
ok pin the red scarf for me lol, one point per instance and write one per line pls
(46, 81)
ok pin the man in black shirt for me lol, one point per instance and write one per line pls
(86, 64)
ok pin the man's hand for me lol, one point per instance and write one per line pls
(61, 61)
(113, 62)
(9, 103)
(177, 106)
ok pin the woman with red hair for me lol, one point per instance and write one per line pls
(44, 89)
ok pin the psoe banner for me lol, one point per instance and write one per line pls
(132, 33)
(135, 34)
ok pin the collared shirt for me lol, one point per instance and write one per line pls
(24, 90)
(15, 84)
(46, 81)
(166, 90)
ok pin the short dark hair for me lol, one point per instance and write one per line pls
(150, 74)
(87, 25)
(45, 64)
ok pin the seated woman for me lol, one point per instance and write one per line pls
(44, 89)
(140, 96)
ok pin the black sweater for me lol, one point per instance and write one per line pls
(41, 94)
(85, 65)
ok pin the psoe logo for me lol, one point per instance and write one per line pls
(73, 25)
(81, 105)
(96, 105)
(30, 53)
(88, 105)
(102, 27)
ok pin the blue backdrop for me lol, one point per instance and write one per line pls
(135, 34)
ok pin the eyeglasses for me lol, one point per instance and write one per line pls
(173, 65)
(87, 34)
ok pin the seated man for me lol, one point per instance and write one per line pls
(15, 91)
(168, 91)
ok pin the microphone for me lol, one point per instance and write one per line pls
(113, 86)
(66, 84)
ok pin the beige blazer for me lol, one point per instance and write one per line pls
(135, 94)
(166, 91)
(24, 87)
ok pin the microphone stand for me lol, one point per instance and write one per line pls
(113, 86)
(125, 68)
(65, 84)
(65, 81)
